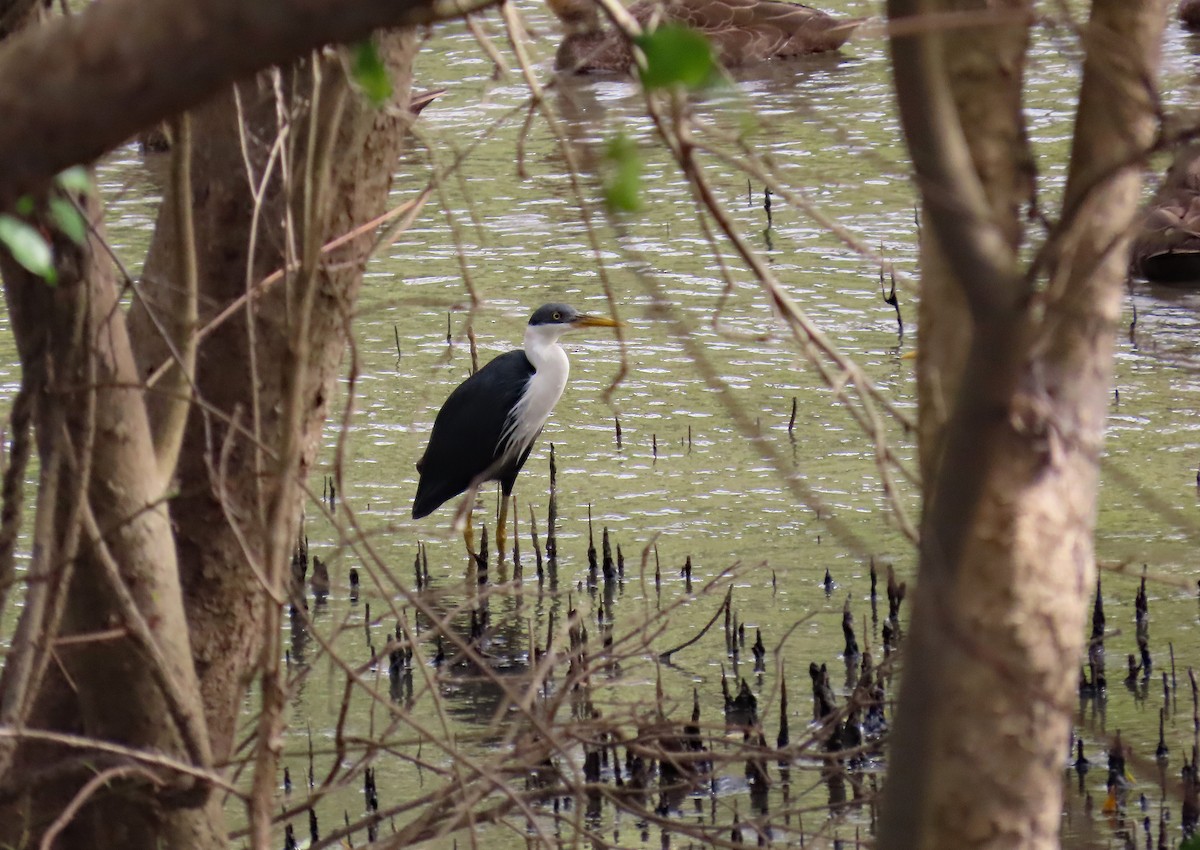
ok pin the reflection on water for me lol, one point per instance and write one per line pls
(682, 480)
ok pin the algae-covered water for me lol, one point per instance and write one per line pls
(710, 464)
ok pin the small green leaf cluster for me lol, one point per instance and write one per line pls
(369, 72)
(27, 244)
(622, 187)
(676, 55)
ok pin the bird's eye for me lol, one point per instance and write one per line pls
(557, 316)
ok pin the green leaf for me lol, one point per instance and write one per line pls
(675, 55)
(1192, 843)
(28, 247)
(70, 222)
(370, 73)
(75, 179)
(623, 186)
(25, 205)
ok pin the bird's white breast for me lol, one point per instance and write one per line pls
(542, 392)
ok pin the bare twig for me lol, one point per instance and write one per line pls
(96, 783)
(666, 655)
(182, 703)
(184, 314)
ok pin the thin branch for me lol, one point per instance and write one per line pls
(96, 783)
(14, 486)
(973, 244)
(724, 606)
(86, 744)
(516, 34)
(401, 217)
(182, 704)
(323, 127)
(184, 314)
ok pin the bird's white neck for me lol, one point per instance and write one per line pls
(552, 368)
(544, 352)
(545, 388)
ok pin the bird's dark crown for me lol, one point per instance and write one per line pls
(554, 314)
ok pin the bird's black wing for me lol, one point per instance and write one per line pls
(466, 433)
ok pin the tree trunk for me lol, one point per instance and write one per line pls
(244, 371)
(122, 669)
(1010, 448)
(104, 649)
(985, 70)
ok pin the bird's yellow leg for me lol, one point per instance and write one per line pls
(502, 528)
(469, 535)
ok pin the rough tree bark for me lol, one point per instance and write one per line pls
(247, 364)
(985, 73)
(104, 648)
(1010, 440)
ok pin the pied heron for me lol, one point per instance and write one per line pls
(487, 427)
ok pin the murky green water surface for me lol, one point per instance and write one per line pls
(685, 480)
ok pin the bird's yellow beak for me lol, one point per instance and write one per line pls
(588, 321)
